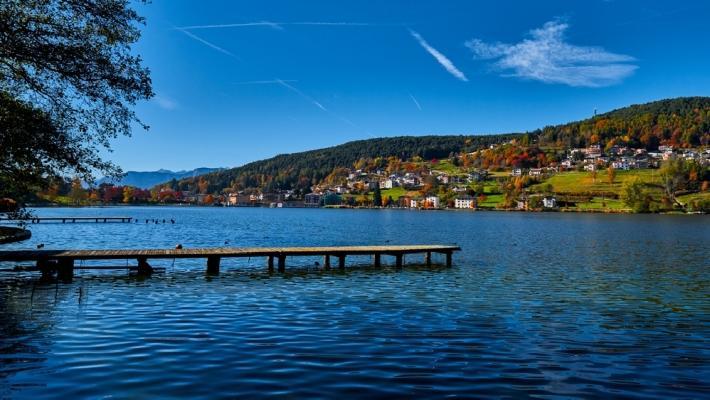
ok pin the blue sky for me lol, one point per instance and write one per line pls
(242, 81)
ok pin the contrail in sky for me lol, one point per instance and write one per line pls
(206, 43)
(265, 82)
(277, 25)
(442, 59)
(300, 93)
(416, 103)
(316, 103)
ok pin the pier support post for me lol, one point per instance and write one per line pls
(270, 263)
(47, 268)
(65, 269)
(378, 260)
(282, 263)
(326, 261)
(213, 265)
(341, 261)
(399, 257)
(448, 258)
(143, 267)
(427, 258)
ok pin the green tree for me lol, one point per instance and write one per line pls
(68, 81)
(636, 197)
(673, 178)
(377, 197)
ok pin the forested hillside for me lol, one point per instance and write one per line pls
(681, 122)
(301, 170)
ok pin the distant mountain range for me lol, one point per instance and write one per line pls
(148, 179)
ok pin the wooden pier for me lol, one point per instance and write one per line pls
(62, 262)
(37, 220)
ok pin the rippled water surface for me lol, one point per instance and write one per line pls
(538, 305)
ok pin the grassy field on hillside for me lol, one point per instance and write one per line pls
(584, 183)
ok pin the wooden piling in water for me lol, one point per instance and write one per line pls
(213, 264)
(143, 267)
(65, 270)
(282, 263)
(326, 261)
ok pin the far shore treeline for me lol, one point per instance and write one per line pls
(643, 158)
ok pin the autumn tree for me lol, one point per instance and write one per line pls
(77, 194)
(68, 81)
(611, 174)
(127, 194)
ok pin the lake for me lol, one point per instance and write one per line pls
(536, 305)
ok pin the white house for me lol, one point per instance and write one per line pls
(535, 172)
(621, 165)
(465, 202)
(387, 184)
(413, 203)
(593, 151)
(549, 202)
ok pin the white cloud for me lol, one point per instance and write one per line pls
(165, 103)
(442, 59)
(545, 56)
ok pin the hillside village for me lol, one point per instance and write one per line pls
(454, 186)
(652, 157)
